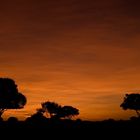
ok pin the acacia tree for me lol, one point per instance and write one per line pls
(132, 102)
(10, 98)
(57, 111)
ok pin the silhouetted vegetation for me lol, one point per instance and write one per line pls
(53, 119)
(57, 111)
(10, 98)
(39, 126)
(68, 112)
(132, 101)
(51, 108)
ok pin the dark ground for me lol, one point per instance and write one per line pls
(67, 129)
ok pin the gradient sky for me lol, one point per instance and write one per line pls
(84, 53)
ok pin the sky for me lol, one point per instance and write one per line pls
(83, 53)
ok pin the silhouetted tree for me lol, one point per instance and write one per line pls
(56, 111)
(69, 112)
(10, 98)
(51, 108)
(132, 101)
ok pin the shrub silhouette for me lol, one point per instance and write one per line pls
(10, 98)
(37, 117)
(12, 120)
(132, 101)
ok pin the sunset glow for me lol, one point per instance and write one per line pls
(76, 52)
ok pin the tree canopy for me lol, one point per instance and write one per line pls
(51, 107)
(132, 102)
(69, 112)
(57, 111)
(10, 97)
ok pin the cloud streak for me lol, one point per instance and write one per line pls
(85, 53)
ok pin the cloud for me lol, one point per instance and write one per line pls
(54, 49)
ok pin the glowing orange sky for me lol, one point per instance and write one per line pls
(82, 53)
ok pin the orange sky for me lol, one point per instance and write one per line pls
(82, 53)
